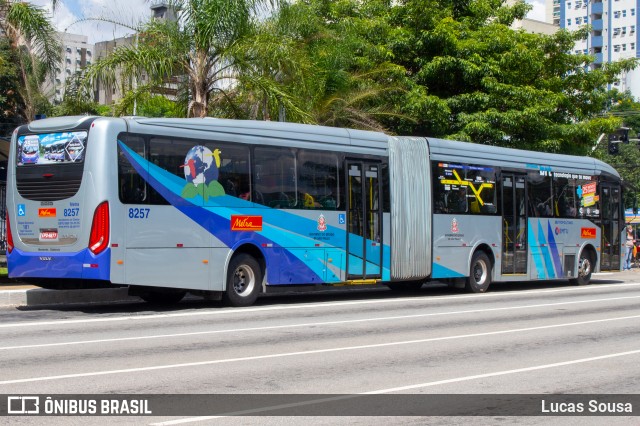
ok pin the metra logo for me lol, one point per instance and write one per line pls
(561, 230)
(246, 223)
(588, 233)
(49, 212)
(46, 259)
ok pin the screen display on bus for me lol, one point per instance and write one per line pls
(51, 148)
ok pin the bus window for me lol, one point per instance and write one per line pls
(318, 180)
(462, 188)
(132, 187)
(564, 198)
(233, 170)
(540, 200)
(275, 178)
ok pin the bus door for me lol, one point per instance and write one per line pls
(514, 224)
(610, 225)
(364, 220)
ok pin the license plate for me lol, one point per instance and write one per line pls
(48, 234)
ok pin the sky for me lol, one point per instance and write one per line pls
(83, 16)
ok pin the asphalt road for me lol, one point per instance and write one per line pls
(517, 339)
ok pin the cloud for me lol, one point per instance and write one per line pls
(539, 10)
(96, 18)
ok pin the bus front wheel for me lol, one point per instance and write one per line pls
(585, 268)
(479, 277)
(244, 278)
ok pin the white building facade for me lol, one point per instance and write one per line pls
(77, 53)
(613, 36)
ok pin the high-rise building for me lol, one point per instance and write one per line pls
(77, 53)
(613, 35)
(107, 94)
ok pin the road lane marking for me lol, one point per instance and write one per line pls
(229, 311)
(309, 352)
(313, 324)
(398, 389)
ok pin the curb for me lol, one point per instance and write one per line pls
(43, 297)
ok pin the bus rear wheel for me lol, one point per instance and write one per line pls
(585, 268)
(244, 278)
(479, 277)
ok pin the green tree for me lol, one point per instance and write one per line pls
(33, 47)
(324, 62)
(452, 69)
(207, 50)
(77, 100)
(10, 101)
(627, 110)
(479, 80)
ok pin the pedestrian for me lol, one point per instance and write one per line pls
(629, 244)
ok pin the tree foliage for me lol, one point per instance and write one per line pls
(34, 50)
(209, 49)
(477, 79)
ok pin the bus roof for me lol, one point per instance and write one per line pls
(262, 132)
(465, 152)
(333, 138)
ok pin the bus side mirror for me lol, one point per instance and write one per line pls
(635, 205)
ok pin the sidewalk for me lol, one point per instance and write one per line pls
(15, 293)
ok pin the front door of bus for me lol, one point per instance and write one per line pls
(364, 221)
(514, 225)
(610, 225)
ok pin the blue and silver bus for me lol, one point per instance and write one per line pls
(232, 209)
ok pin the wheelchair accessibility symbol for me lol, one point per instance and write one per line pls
(22, 210)
(342, 219)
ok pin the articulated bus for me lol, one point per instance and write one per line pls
(231, 209)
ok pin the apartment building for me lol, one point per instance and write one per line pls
(77, 53)
(613, 36)
(109, 94)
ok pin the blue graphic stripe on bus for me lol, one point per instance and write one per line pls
(82, 264)
(549, 269)
(536, 254)
(224, 206)
(298, 269)
(554, 251)
(440, 271)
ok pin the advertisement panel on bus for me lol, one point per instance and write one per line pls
(30, 150)
(66, 147)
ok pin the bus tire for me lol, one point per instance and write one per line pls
(479, 277)
(585, 268)
(405, 286)
(244, 278)
(163, 297)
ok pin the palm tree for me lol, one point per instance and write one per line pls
(337, 77)
(34, 48)
(204, 51)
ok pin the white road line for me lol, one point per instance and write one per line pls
(312, 324)
(311, 352)
(231, 311)
(401, 388)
